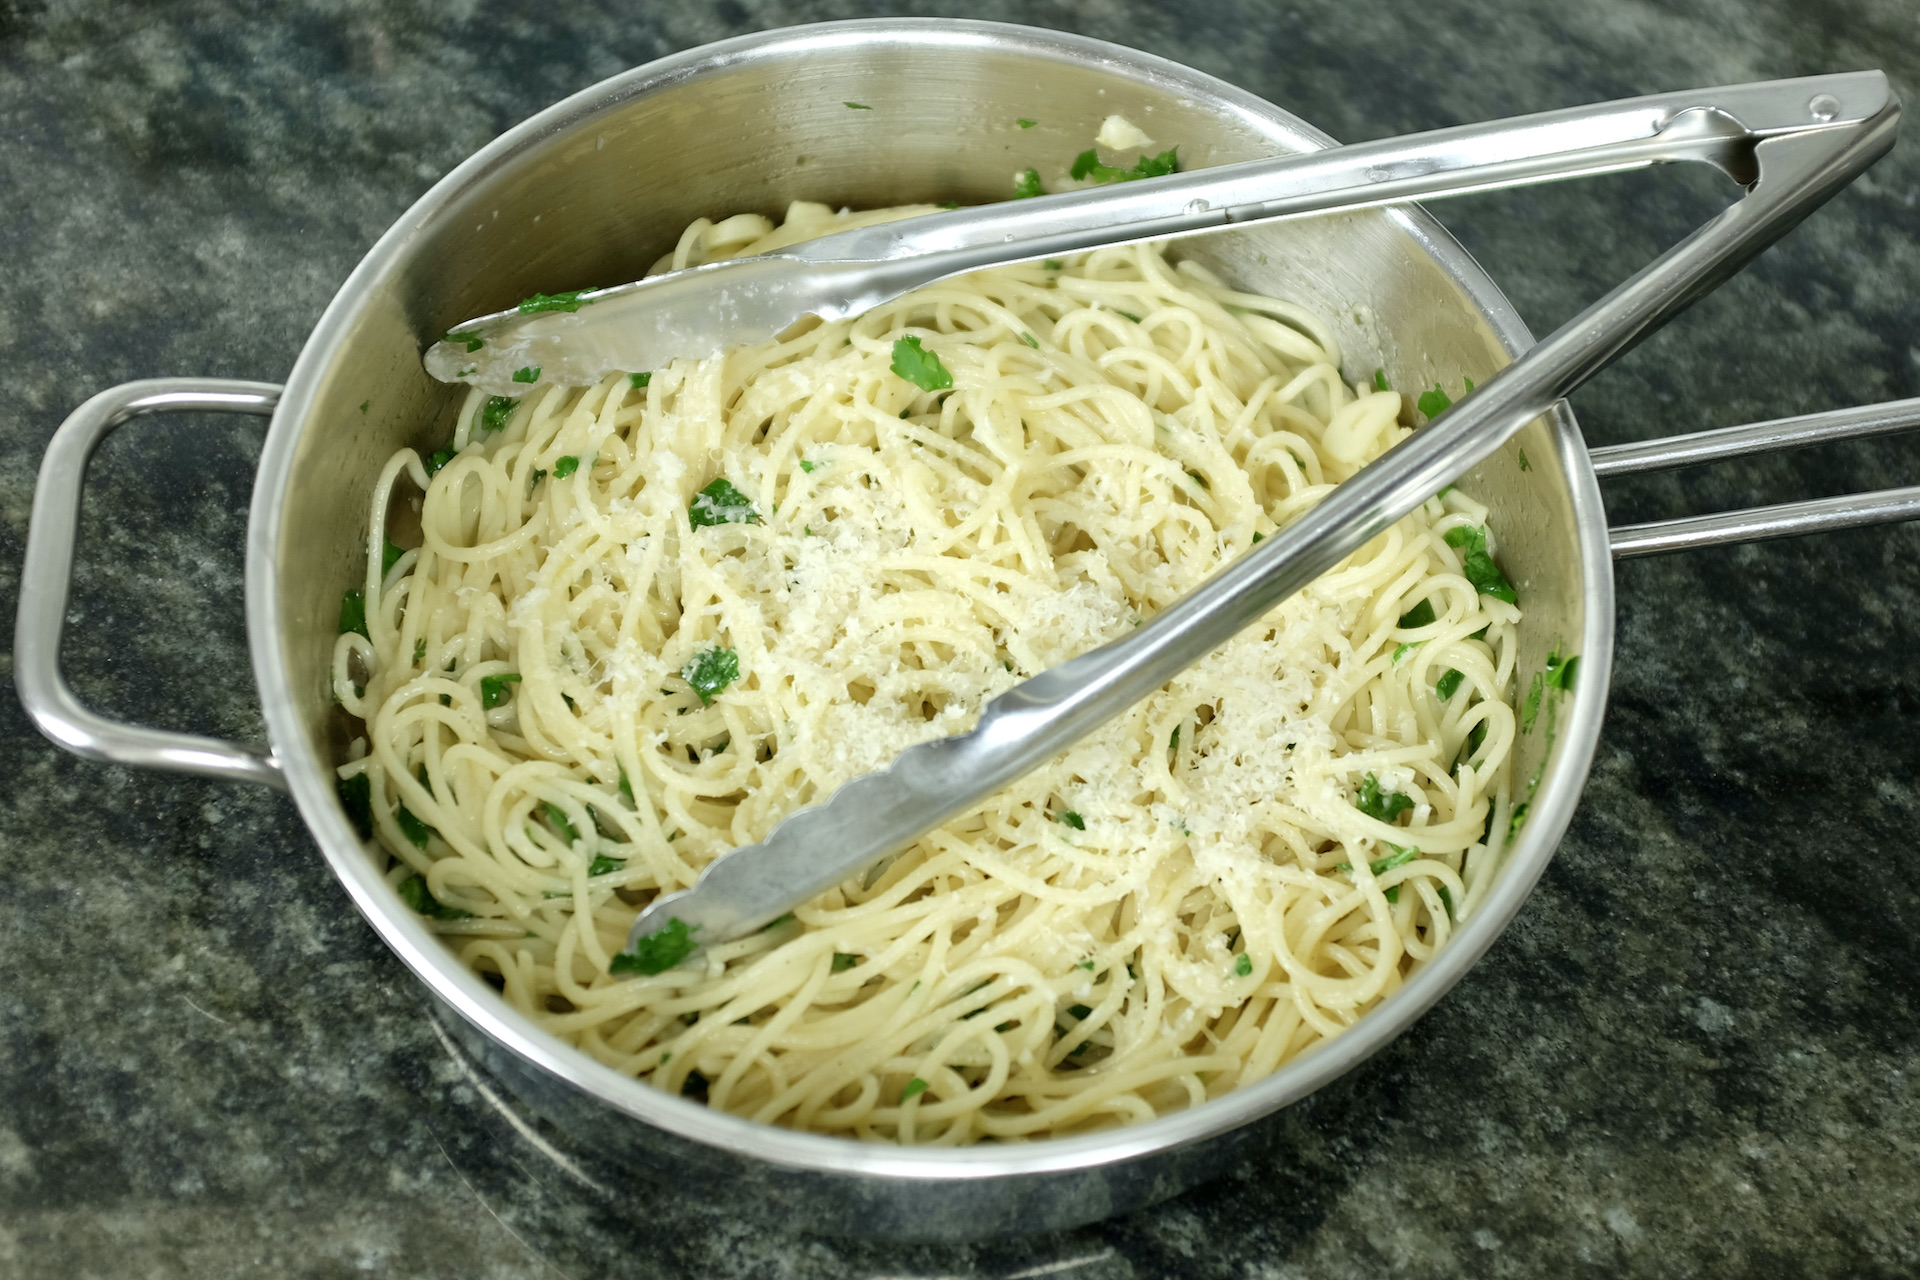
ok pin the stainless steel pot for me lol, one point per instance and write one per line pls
(589, 192)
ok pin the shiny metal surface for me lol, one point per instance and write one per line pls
(48, 570)
(699, 310)
(873, 816)
(1669, 452)
(1788, 520)
(588, 191)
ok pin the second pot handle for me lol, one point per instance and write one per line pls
(1784, 521)
(48, 571)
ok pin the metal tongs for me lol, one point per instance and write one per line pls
(1790, 143)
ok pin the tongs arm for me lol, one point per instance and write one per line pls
(1796, 168)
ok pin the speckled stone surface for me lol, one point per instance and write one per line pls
(1696, 1053)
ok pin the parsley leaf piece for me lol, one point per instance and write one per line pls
(353, 614)
(471, 341)
(1025, 123)
(1446, 900)
(626, 789)
(1030, 341)
(915, 1087)
(1513, 823)
(1380, 380)
(1129, 315)
(1087, 165)
(1406, 649)
(564, 466)
(720, 503)
(1054, 264)
(1401, 857)
(557, 816)
(419, 652)
(919, 366)
(529, 374)
(602, 865)
(1085, 964)
(1421, 615)
(639, 380)
(1173, 743)
(356, 797)
(1072, 819)
(438, 459)
(1478, 566)
(856, 106)
(1384, 806)
(1560, 671)
(389, 556)
(1448, 684)
(1524, 464)
(411, 827)
(1244, 965)
(1200, 480)
(414, 892)
(493, 689)
(568, 302)
(1533, 702)
(1434, 403)
(1080, 1012)
(806, 466)
(659, 951)
(710, 672)
(843, 962)
(1026, 185)
(494, 414)
(1258, 537)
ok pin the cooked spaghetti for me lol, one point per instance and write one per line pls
(646, 619)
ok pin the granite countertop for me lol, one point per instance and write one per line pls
(1696, 1052)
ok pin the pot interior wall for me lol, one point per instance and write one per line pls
(594, 190)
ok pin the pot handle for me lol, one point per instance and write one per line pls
(48, 571)
(1784, 521)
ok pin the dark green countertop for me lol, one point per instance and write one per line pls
(1695, 1053)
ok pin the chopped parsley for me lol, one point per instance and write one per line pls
(419, 652)
(1380, 380)
(856, 106)
(1559, 672)
(711, 671)
(915, 1087)
(353, 614)
(1448, 684)
(1080, 1012)
(389, 556)
(1401, 857)
(529, 374)
(557, 817)
(843, 962)
(1087, 165)
(806, 466)
(720, 503)
(1446, 900)
(602, 865)
(1173, 743)
(1524, 464)
(1382, 805)
(1406, 649)
(1026, 185)
(1421, 615)
(919, 366)
(1257, 538)
(568, 302)
(356, 797)
(471, 341)
(438, 459)
(626, 789)
(493, 689)
(1478, 566)
(1513, 823)
(659, 951)
(1128, 314)
(494, 414)
(1072, 819)
(1030, 340)
(1434, 403)
(1054, 264)
(1244, 965)
(1085, 964)
(565, 465)
(1025, 123)
(411, 827)
(639, 380)
(1196, 477)
(414, 892)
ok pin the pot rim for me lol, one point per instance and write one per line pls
(310, 777)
